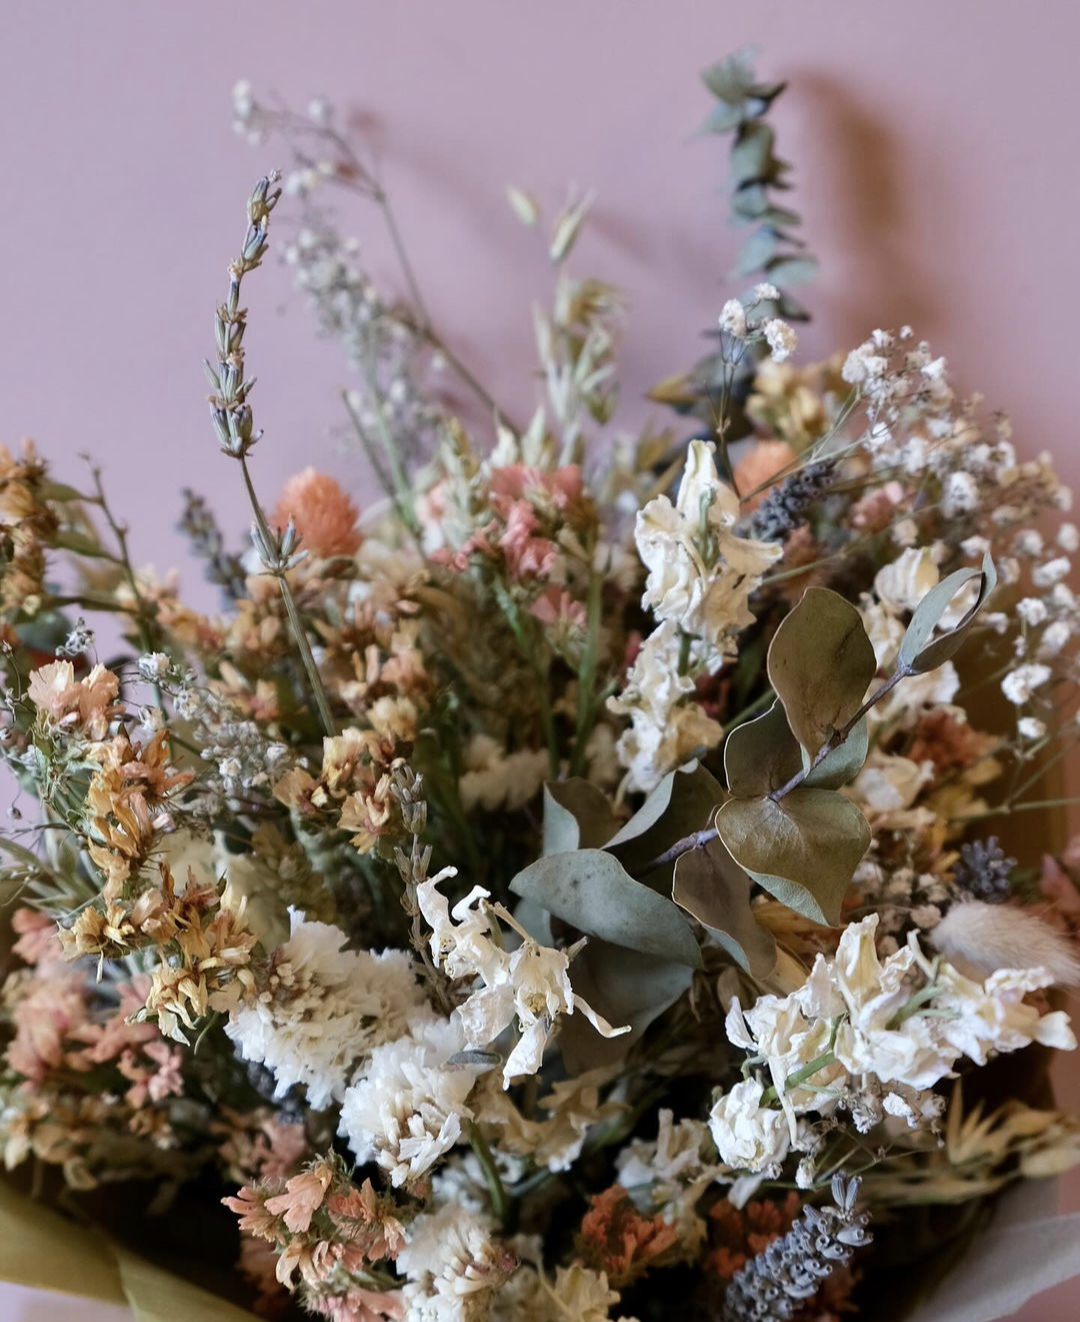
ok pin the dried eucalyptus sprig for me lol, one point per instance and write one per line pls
(773, 256)
(234, 423)
(772, 1285)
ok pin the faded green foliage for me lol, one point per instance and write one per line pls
(711, 886)
(802, 848)
(821, 663)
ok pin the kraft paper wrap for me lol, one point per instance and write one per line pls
(43, 1250)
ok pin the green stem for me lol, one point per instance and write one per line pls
(1007, 809)
(801, 1075)
(496, 1192)
(587, 700)
(322, 703)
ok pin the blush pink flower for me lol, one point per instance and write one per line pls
(556, 607)
(303, 1197)
(528, 555)
(88, 703)
(323, 512)
(38, 942)
(559, 489)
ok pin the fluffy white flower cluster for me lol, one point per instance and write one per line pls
(530, 984)
(701, 576)
(738, 320)
(665, 731)
(407, 1106)
(453, 1267)
(668, 1175)
(324, 1009)
(898, 1026)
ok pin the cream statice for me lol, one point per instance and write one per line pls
(322, 1009)
(407, 1107)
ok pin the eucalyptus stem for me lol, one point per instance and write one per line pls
(839, 736)
(698, 839)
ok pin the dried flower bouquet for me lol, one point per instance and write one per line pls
(573, 883)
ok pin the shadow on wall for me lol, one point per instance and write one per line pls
(858, 200)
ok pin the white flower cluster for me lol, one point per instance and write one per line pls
(701, 576)
(530, 984)
(453, 1267)
(407, 1105)
(1050, 617)
(324, 1009)
(668, 1174)
(876, 1034)
(743, 321)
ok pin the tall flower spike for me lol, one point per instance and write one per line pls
(771, 1286)
(229, 410)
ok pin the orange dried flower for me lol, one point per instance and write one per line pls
(615, 1238)
(323, 513)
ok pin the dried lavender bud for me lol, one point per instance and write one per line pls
(786, 505)
(772, 1286)
(201, 527)
(984, 871)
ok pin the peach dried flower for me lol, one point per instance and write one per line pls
(324, 514)
(758, 467)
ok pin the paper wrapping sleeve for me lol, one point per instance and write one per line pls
(44, 1250)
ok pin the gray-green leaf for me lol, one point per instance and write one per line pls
(576, 816)
(803, 849)
(624, 986)
(592, 891)
(683, 802)
(761, 755)
(917, 655)
(820, 664)
(711, 886)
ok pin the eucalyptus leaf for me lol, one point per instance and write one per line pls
(626, 987)
(592, 891)
(842, 764)
(711, 886)
(792, 270)
(802, 848)
(761, 755)
(917, 654)
(752, 152)
(683, 802)
(576, 816)
(820, 664)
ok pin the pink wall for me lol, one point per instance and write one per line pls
(937, 148)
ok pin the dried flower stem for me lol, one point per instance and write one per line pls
(322, 702)
(234, 424)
